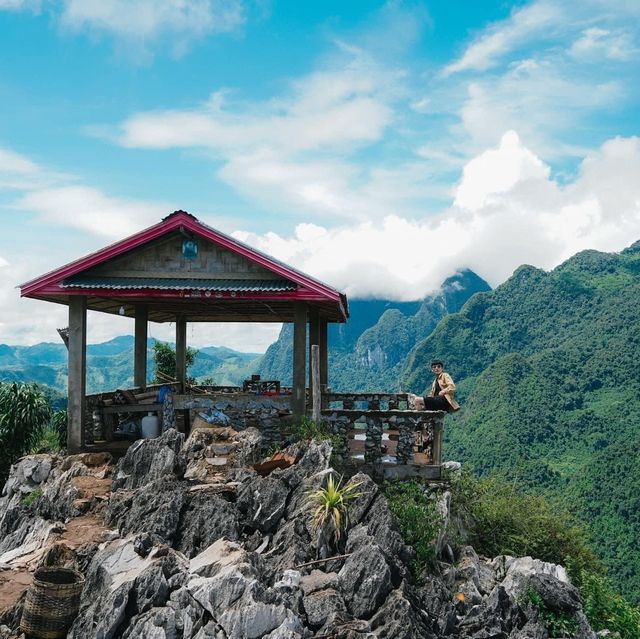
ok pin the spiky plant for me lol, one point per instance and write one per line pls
(331, 505)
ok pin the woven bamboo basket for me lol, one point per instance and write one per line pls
(52, 603)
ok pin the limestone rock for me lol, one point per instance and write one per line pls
(148, 460)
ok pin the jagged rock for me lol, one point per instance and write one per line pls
(319, 605)
(248, 447)
(155, 508)
(469, 568)
(401, 618)
(557, 595)
(365, 578)
(263, 501)
(318, 580)
(148, 460)
(516, 573)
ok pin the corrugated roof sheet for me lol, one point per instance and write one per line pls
(178, 284)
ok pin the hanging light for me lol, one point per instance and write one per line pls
(121, 311)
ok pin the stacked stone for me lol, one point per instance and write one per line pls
(373, 443)
(340, 427)
(406, 438)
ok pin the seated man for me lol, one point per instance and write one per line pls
(442, 392)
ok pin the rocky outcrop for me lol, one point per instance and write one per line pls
(235, 555)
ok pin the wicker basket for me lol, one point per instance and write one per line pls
(52, 603)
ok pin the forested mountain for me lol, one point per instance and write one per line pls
(369, 351)
(110, 364)
(547, 371)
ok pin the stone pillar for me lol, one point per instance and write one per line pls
(298, 400)
(77, 371)
(181, 350)
(140, 346)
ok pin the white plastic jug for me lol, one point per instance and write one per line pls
(150, 426)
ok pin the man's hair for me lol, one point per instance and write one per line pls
(437, 362)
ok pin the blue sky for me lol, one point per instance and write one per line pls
(379, 146)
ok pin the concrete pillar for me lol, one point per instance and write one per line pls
(77, 371)
(181, 350)
(298, 400)
(140, 346)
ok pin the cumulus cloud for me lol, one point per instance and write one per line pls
(507, 211)
(595, 43)
(89, 209)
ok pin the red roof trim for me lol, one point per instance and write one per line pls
(171, 223)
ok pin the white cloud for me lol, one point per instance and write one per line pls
(508, 212)
(539, 99)
(497, 171)
(139, 25)
(532, 21)
(327, 109)
(595, 43)
(89, 209)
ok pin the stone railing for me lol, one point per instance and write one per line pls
(377, 430)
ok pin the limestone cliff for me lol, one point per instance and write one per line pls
(173, 545)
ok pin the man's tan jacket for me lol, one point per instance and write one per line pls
(446, 384)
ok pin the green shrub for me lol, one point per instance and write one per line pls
(496, 518)
(417, 517)
(24, 410)
(31, 498)
(558, 624)
(47, 441)
(606, 609)
(60, 421)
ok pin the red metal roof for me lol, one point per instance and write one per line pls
(52, 285)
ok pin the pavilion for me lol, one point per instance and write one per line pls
(182, 271)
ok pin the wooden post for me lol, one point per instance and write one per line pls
(315, 388)
(181, 350)
(77, 372)
(298, 403)
(324, 353)
(140, 346)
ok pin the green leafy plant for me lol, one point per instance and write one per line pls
(497, 518)
(331, 505)
(47, 441)
(417, 518)
(606, 609)
(31, 498)
(24, 410)
(558, 624)
(59, 421)
(164, 361)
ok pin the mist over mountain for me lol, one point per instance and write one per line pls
(368, 352)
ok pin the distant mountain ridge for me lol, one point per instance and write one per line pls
(110, 364)
(369, 351)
